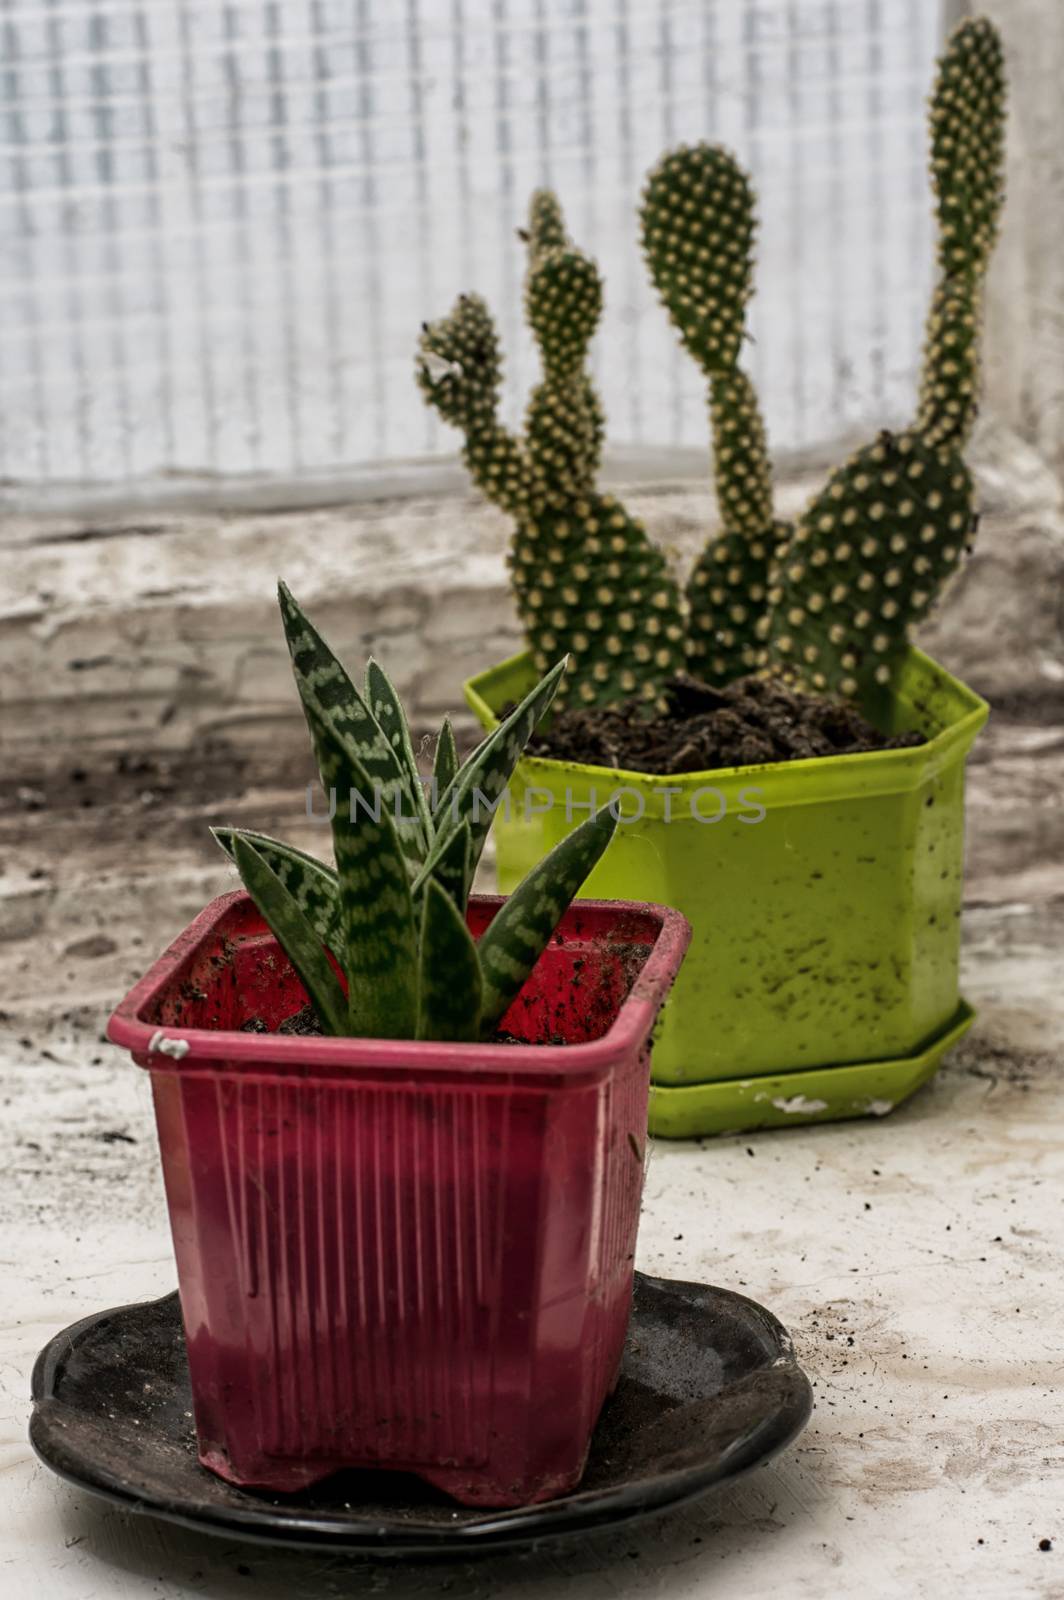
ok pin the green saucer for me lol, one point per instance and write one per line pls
(785, 1100)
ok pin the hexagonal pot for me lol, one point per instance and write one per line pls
(822, 979)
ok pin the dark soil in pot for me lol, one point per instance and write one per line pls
(307, 1024)
(750, 722)
(304, 1022)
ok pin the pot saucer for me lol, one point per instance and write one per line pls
(789, 1099)
(709, 1388)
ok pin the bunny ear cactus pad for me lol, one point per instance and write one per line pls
(546, 224)
(967, 124)
(393, 913)
(563, 303)
(967, 169)
(588, 581)
(873, 550)
(698, 238)
(460, 372)
(586, 578)
(728, 588)
(866, 560)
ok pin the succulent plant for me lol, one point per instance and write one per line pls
(380, 943)
(586, 578)
(698, 229)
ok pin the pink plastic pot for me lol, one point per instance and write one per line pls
(405, 1255)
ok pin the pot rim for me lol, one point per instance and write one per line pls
(859, 773)
(181, 1050)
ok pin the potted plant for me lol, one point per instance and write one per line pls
(402, 1125)
(824, 891)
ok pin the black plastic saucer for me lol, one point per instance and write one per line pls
(709, 1388)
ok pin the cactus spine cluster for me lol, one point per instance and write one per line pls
(586, 578)
(828, 601)
(698, 229)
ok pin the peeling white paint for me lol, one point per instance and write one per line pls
(176, 1048)
(798, 1104)
(879, 1108)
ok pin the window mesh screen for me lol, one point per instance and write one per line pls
(223, 220)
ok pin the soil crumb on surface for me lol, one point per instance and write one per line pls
(749, 722)
(304, 1022)
(503, 1036)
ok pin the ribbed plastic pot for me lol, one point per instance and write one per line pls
(394, 1254)
(824, 895)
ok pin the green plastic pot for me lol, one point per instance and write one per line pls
(825, 898)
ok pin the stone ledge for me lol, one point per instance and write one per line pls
(164, 638)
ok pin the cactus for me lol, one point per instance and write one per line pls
(586, 578)
(874, 548)
(393, 913)
(967, 171)
(698, 230)
(830, 601)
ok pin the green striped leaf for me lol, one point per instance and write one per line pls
(518, 934)
(387, 709)
(453, 870)
(294, 933)
(449, 983)
(376, 909)
(445, 763)
(480, 783)
(310, 882)
(337, 713)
